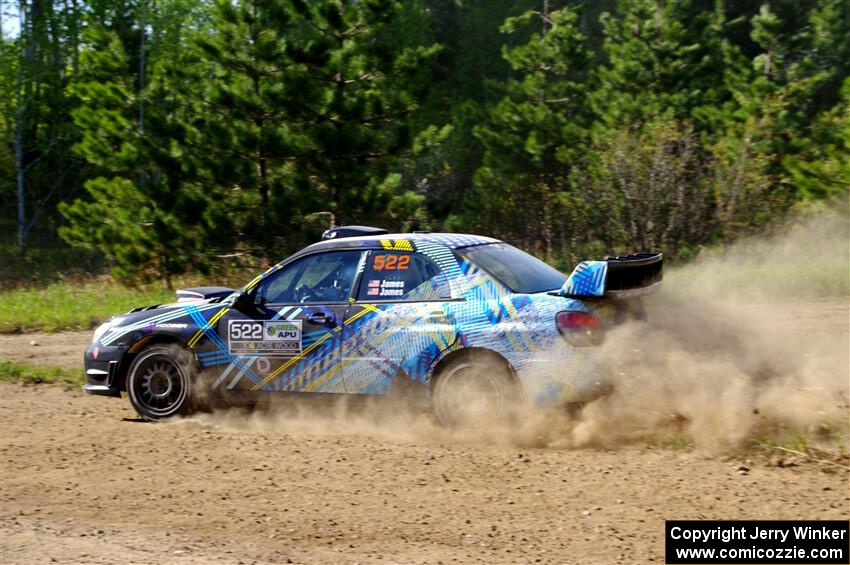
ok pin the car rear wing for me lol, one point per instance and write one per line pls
(626, 276)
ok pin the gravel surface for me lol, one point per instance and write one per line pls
(82, 480)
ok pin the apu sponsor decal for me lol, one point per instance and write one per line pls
(282, 331)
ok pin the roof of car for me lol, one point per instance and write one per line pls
(451, 240)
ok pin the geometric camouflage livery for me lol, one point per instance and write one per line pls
(587, 279)
(366, 347)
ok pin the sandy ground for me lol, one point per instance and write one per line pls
(59, 350)
(83, 481)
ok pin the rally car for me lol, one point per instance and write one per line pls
(460, 320)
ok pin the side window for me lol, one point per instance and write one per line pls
(277, 287)
(402, 276)
(325, 277)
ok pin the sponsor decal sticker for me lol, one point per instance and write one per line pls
(263, 365)
(274, 338)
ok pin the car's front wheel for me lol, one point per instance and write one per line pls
(471, 392)
(159, 383)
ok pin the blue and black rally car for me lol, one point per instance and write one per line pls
(462, 320)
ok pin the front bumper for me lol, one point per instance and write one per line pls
(101, 364)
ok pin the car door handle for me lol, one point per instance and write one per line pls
(320, 318)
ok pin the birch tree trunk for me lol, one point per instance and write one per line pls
(20, 107)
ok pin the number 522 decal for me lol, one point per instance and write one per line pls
(264, 337)
(391, 262)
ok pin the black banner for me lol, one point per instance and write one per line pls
(816, 542)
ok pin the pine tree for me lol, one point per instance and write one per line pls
(663, 59)
(243, 98)
(143, 212)
(822, 168)
(311, 103)
(535, 133)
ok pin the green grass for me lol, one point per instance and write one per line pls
(36, 374)
(72, 306)
(824, 445)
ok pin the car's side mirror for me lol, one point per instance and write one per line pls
(243, 300)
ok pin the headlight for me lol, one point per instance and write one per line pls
(101, 329)
(104, 327)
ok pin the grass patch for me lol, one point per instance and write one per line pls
(824, 445)
(36, 374)
(73, 306)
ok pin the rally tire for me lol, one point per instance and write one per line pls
(473, 391)
(160, 384)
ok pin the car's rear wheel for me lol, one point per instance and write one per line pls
(472, 392)
(159, 383)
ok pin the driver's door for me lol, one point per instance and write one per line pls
(286, 338)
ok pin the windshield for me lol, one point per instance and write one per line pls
(516, 269)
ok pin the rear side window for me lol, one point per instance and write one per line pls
(516, 269)
(402, 276)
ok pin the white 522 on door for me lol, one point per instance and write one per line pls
(276, 337)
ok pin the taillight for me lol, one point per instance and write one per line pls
(580, 328)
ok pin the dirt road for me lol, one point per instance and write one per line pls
(83, 481)
(58, 350)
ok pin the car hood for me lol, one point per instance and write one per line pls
(147, 312)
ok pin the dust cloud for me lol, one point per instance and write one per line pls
(377, 418)
(745, 346)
